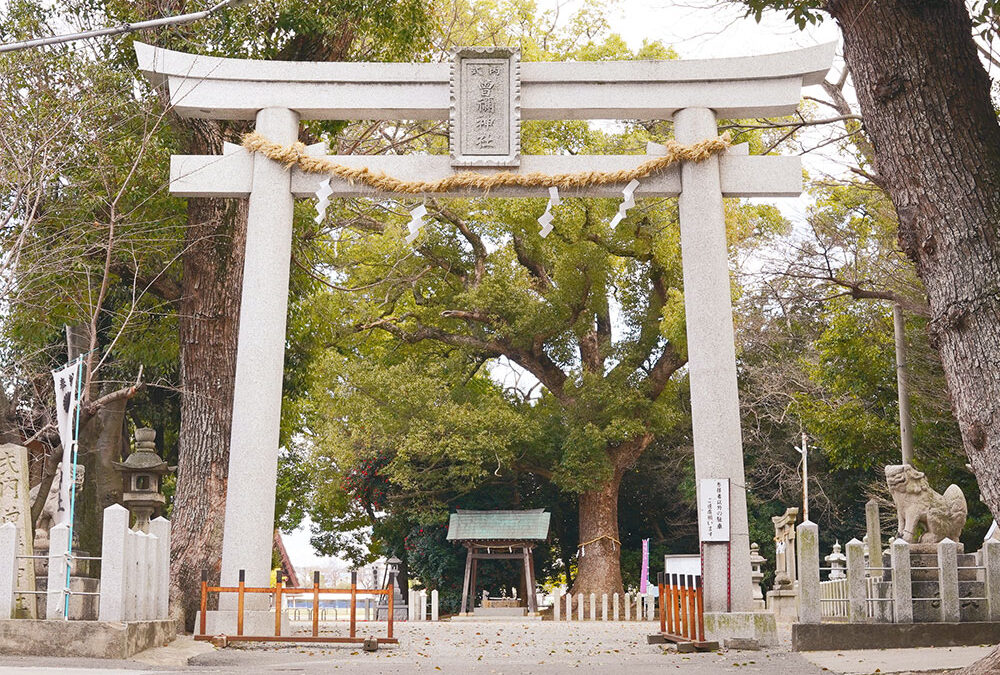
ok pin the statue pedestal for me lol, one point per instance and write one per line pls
(784, 604)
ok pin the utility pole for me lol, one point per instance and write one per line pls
(122, 28)
(902, 386)
(804, 451)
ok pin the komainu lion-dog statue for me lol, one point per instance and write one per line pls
(918, 505)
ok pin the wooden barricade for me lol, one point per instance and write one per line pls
(682, 612)
(279, 590)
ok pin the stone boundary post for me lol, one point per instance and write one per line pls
(8, 569)
(807, 545)
(593, 607)
(604, 606)
(991, 560)
(569, 605)
(112, 605)
(434, 605)
(857, 583)
(579, 606)
(902, 589)
(614, 608)
(874, 527)
(556, 600)
(55, 604)
(948, 581)
(161, 528)
(628, 606)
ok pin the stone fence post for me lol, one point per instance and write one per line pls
(902, 588)
(569, 605)
(161, 528)
(593, 607)
(112, 607)
(991, 560)
(807, 545)
(614, 608)
(556, 598)
(434, 605)
(8, 569)
(55, 604)
(857, 583)
(948, 581)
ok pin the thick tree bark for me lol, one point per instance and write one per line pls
(598, 567)
(209, 322)
(925, 99)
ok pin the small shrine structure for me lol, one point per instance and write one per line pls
(498, 535)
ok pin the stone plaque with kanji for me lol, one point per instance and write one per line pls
(485, 124)
(15, 507)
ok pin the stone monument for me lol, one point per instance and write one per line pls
(15, 507)
(783, 599)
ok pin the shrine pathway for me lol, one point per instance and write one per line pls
(502, 648)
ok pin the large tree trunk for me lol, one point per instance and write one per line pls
(598, 566)
(209, 323)
(925, 100)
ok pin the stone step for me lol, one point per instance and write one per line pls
(500, 611)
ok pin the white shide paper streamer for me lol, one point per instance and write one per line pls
(322, 199)
(629, 202)
(416, 222)
(546, 218)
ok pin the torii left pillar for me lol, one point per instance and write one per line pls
(253, 458)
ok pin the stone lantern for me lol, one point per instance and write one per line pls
(142, 476)
(838, 562)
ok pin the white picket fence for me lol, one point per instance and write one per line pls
(834, 598)
(417, 605)
(637, 607)
(135, 566)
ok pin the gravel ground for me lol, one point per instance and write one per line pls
(494, 647)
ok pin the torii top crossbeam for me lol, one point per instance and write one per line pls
(484, 132)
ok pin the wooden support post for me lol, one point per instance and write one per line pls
(204, 601)
(392, 595)
(354, 602)
(316, 603)
(683, 611)
(240, 597)
(472, 586)
(468, 577)
(529, 580)
(277, 603)
(692, 609)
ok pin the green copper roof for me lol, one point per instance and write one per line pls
(499, 525)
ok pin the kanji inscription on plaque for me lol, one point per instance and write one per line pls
(485, 107)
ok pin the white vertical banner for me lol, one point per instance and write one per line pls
(713, 509)
(66, 402)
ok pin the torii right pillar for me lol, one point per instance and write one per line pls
(715, 406)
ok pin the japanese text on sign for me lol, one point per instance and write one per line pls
(713, 509)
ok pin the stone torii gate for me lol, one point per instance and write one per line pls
(278, 95)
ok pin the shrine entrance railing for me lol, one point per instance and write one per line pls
(279, 590)
(682, 612)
